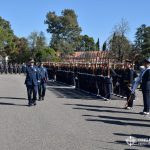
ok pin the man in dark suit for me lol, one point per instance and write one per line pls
(43, 78)
(31, 82)
(146, 87)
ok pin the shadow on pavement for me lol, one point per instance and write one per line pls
(13, 98)
(12, 104)
(114, 120)
(105, 110)
(65, 91)
(94, 106)
(119, 121)
(72, 93)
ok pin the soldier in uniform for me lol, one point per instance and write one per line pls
(146, 87)
(24, 66)
(15, 68)
(128, 78)
(6, 68)
(144, 77)
(19, 68)
(31, 81)
(1, 68)
(10, 68)
(43, 77)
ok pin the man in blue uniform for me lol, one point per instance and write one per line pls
(43, 77)
(31, 82)
(146, 87)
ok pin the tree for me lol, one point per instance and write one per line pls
(120, 47)
(146, 42)
(86, 43)
(97, 45)
(24, 52)
(104, 48)
(46, 54)
(119, 44)
(32, 39)
(37, 41)
(64, 29)
(19, 50)
(142, 42)
(139, 37)
(122, 28)
(41, 41)
(6, 36)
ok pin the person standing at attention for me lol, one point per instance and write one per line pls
(146, 87)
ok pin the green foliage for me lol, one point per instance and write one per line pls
(19, 50)
(98, 45)
(146, 42)
(142, 42)
(139, 38)
(86, 43)
(37, 42)
(104, 48)
(120, 47)
(64, 29)
(46, 54)
(6, 35)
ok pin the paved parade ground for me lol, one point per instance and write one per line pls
(68, 119)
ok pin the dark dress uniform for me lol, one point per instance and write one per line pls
(10, 68)
(43, 77)
(129, 76)
(31, 82)
(108, 80)
(15, 68)
(146, 89)
(19, 68)
(24, 67)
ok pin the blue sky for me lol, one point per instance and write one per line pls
(97, 18)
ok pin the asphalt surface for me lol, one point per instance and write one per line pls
(68, 119)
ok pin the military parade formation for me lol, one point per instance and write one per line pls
(105, 79)
(12, 68)
(102, 78)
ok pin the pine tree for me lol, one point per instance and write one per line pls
(97, 45)
(104, 46)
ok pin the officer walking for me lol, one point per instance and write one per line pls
(43, 77)
(31, 82)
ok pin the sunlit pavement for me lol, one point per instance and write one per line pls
(68, 119)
